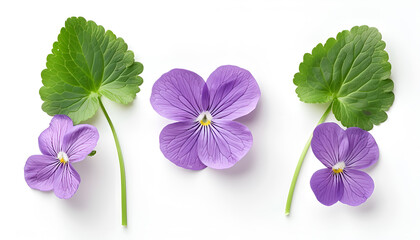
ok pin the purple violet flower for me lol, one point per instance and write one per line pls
(61, 145)
(205, 135)
(343, 152)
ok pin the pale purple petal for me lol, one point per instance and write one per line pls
(178, 143)
(363, 150)
(66, 181)
(329, 143)
(327, 186)
(80, 141)
(50, 140)
(233, 92)
(39, 172)
(358, 187)
(223, 143)
(176, 95)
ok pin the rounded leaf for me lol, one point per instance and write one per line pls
(351, 71)
(87, 62)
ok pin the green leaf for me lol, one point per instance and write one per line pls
(88, 62)
(91, 154)
(352, 72)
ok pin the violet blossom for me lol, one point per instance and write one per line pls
(61, 145)
(344, 153)
(205, 134)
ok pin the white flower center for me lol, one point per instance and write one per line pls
(62, 156)
(338, 167)
(205, 118)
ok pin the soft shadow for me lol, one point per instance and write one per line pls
(320, 107)
(240, 168)
(44, 194)
(83, 196)
(93, 119)
(371, 169)
(173, 167)
(368, 207)
(371, 204)
(128, 105)
(248, 162)
(107, 103)
(252, 116)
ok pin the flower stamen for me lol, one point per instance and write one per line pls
(62, 156)
(205, 121)
(338, 167)
(205, 118)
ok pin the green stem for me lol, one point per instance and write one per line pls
(299, 165)
(122, 170)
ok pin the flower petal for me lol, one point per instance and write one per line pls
(358, 187)
(363, 150)
(80, 141)
(233, 92)
(51, 138)
(176, 95)
(66, 181)
(329, 143)
(223, 143)
(205, 98)
(178, 143)
(39, 172)
(327, 186)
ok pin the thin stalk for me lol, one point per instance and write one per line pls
(299, 165)
(122, 169)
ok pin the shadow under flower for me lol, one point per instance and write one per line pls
(249, 160)
(252, 116)
(83, 197)
(242, 167)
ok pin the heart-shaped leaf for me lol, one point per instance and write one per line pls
(352, 72)
(88, 62)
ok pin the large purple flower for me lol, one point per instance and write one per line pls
(61, 145)
(205, 135)
(343, 153)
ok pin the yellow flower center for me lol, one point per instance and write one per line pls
(62, 156)
(205, 121)
(338, 167)
(204, 118)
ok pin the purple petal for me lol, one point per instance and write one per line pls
(363, 150)
(176, 95)
(51, 139)
(358, 187)
(178, 142)
(39, 172)
(327, 186)
(223, 143)
(329, 143)
(205, 98)
(233, 92)
(80, 141)
(66, 181)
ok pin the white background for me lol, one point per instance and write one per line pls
(247, 201)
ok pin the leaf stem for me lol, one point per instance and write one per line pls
(122, 169)
(299, 165)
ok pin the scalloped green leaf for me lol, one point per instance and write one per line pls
(86, 63)
(351, 72)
